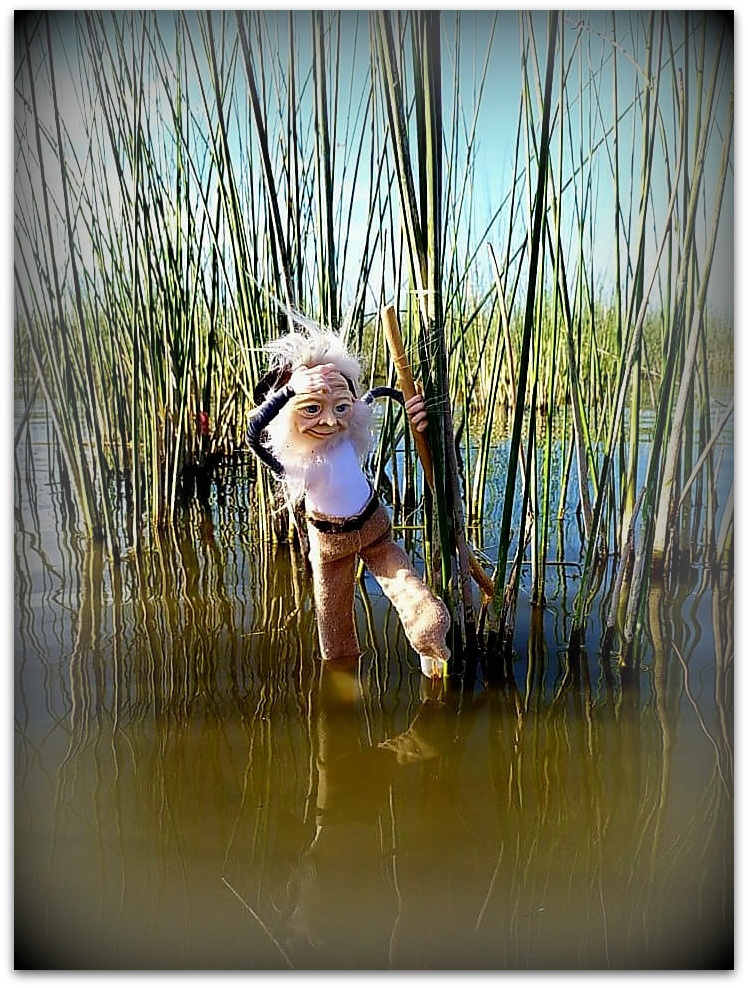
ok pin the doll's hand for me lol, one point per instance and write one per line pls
(320, 379)
(416, 409)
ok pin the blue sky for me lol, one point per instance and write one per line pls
(493, 39)
(586, 52)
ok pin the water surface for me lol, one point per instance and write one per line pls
(194, 791)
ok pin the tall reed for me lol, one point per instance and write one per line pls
(536, 236)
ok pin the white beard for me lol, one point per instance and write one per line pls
(302, 465)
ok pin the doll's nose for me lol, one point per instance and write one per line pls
(328, 416)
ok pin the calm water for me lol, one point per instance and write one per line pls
(193, 790)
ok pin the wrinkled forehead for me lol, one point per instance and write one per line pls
(336, 394)
(338, 384)
(336, 381)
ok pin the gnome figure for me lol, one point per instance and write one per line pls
(313, 431)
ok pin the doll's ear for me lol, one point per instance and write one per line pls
(273, 380)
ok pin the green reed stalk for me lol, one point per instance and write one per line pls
(329, 286)
(528, 463)
(500, 351)
(399, 136)
(278, 243)
(669, 495)
(539, 586)
(725, 553)
(580, 426)
(648, 128)
(626, 368)
(535, 245)
(382, 27)
(704, 424)
(708, 481)
(580, 375)
(509, 610)
(690, 425)
(614, 150)
(446, 476)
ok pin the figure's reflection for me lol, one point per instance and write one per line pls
(347, 898)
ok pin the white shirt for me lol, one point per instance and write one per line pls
(336, 485)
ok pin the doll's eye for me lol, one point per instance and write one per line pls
(342, 408)
(311, 410)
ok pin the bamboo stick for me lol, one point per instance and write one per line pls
(408, 388)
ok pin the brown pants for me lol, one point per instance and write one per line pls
(424, 617)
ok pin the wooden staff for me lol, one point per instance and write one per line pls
(407, 386)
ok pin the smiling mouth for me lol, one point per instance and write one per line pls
(324, 433)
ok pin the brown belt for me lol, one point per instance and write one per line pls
(351, 524)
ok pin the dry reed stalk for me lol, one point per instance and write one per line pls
(407, 386)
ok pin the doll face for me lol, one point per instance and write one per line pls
(317, 416)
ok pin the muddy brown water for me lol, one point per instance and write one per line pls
(194, 791)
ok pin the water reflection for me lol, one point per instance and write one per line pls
(194, 791)
(350, 897)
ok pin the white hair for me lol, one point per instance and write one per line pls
(310, 349)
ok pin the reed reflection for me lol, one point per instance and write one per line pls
(209, 795)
